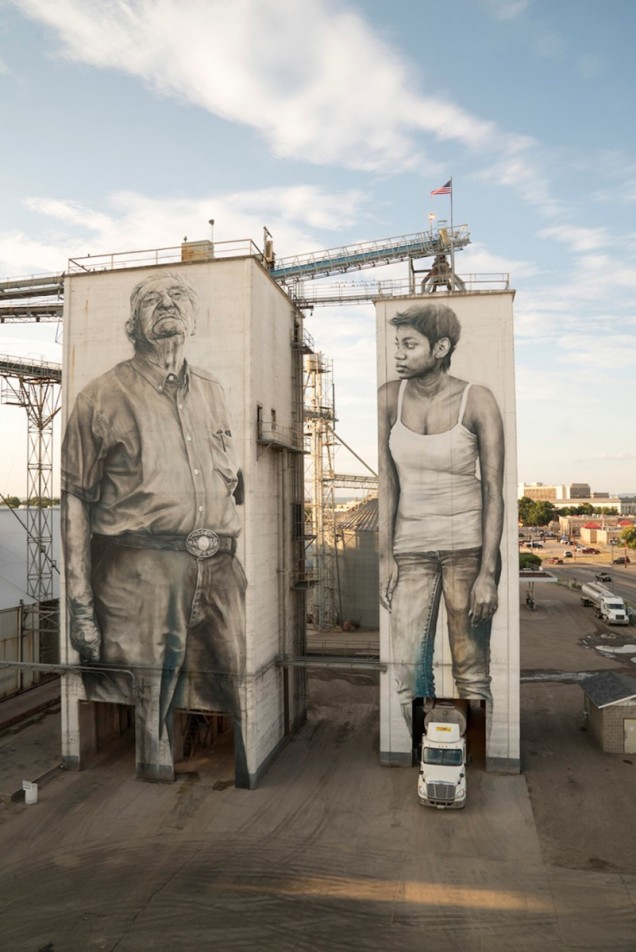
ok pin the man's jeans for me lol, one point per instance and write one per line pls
(423, 578)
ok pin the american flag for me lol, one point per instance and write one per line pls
(444, 190)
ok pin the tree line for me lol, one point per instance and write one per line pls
(37, 502)
(540, 512)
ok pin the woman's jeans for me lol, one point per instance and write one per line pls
(423, 578)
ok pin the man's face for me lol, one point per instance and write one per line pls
(413, 353)
(165, 310)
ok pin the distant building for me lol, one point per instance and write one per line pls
(575, 494)
(545, 493)
(604, 529)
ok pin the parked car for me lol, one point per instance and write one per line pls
(588, 550)
(622, 560)
(535, 545)
(568, 555)
(556, 561)
(603, 577)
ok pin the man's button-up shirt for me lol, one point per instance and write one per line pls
(150, 451)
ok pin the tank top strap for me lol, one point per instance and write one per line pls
(400, 400)
(462, 406)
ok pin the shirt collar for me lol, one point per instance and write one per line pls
(158, 377)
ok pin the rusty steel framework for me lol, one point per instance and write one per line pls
(36, 387)
(319, 413)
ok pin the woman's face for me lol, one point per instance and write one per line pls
(413, 353)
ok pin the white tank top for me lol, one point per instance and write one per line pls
(440, 494)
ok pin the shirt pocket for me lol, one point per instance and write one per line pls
(224, 457)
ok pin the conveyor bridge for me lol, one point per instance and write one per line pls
(371, 254)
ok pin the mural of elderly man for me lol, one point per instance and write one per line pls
(150, 488)
(441, 478)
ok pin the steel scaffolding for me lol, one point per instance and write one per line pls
(324, 600)
(36, 388)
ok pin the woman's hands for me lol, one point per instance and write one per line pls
(388, 579)
(483, 599)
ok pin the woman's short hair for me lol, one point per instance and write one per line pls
(433, 321)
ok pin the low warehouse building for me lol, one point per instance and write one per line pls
(610, 707)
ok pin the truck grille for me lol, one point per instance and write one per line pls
(440, 793)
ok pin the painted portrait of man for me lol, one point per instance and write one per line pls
(152, 491)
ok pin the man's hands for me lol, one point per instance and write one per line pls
(86, 638)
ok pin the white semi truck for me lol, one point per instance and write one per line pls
(442, 776)
(608, 606)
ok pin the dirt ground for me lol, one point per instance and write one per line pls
(333, 852)
(583, 801)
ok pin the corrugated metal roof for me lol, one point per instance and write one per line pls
(609, 688)
(360, 518)
(13, 556)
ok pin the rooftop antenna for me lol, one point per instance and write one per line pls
(211, 224)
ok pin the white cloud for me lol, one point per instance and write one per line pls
(477, 259)
(590, 66)
(22, 255)
(70, 213)
(506, 9)
(551, 46)
(312, 78)
(134, 221)
(576, 237)
(600, 351)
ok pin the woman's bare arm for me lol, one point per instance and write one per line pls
(484, 418)
(387, 408)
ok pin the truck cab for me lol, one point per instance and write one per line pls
(442, 774)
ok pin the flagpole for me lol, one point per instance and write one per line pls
(451, 232)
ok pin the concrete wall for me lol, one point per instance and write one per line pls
(357, 553)
(607, 724)
(245, 339)
(484, 356)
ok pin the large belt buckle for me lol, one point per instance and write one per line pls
(203, 543)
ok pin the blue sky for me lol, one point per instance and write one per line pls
(129, 123)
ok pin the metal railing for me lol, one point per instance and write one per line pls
(23, 367)
(147, 257)
(358, 292)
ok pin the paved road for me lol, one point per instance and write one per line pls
(623, 579)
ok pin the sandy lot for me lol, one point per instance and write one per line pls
(333, 852)
(583, 801)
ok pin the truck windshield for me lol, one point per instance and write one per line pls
(616, 606)
(445, 758)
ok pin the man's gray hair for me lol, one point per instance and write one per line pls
(138, 292)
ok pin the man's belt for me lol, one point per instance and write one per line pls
(201, 543)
